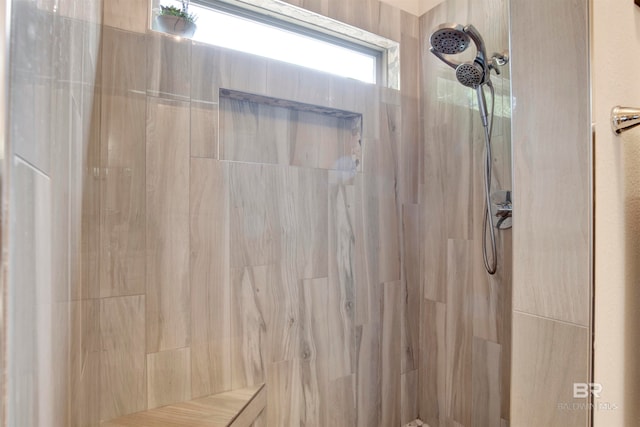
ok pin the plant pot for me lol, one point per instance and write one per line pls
(175, 25)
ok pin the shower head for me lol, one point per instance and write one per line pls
(449, 39)
(470, 74)
(452, 39)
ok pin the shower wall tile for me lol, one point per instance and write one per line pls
(30, 344)
(505, 327)
(313, 87)
(458, 171)
(267, 271)
(32, 83)
(123, 62)
(314, 351)
(343, 95)
(341, 298)
(367, 102)
(75, 47)
(365, 263)
(380, 204)
(408, 397)
(283, 80)
(243, 123)
(123, 133)
(204, 72)
(432, 368)
(545, 368)
(451, 197)
(168, 66)
(318, 6)
(392, 296)
(486, 401)
(204, 129)
(433, 268)
(250, 319)
(284, 386)
(342, 404)
(122, 229)
(294, 82)
(459, 330)
(382, 154)
(287, 136)
(389, 22)
(168, 377)
(433, 189)
(311, 253)
(31, 105)
(60, 382)
(65, 130)
(368, 373)
(409, 147)
(209, 278)
(489, 295)
(552, 264)
(131, 15)
(364, 14)
(410, 329)
(254, 215)
(235, 70)
(86, 210)
(122, 356)
(318, 141)
(167, 219)
(409, 151)
(84, 352)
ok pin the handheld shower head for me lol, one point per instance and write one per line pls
(470, 74)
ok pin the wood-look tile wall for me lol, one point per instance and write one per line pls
(465, 314)
(242, 243)
(552, 167)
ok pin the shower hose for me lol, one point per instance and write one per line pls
(490, 263)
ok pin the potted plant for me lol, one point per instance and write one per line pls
(178, 21)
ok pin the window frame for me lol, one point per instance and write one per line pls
(291, 18)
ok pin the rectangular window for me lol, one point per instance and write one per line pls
(260, 32)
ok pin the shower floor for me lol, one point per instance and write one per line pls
(416, 423)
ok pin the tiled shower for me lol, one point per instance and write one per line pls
(177, 235)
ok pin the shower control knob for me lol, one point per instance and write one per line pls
(504, 210)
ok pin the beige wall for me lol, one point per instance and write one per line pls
(552, 212)
(465, 313)
(615, 54)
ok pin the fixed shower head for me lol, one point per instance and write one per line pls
(470, 74)
(449, 39)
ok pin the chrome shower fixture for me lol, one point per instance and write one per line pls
(453, 39)
(449, 39)
(624, 118)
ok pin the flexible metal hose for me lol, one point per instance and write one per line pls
(491, 265)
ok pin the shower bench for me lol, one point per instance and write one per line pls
(237, 408)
